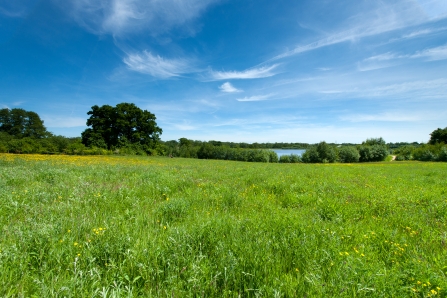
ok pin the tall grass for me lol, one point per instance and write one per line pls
(104, 226)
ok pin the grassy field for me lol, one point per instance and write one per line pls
(157, 227)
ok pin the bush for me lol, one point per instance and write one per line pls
(284, 159)
(443, 154)
(294, 158)
(348, 154)
(311, 155)
(372, 153)
(404, 153)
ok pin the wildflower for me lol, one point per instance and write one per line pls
(164, 227)
(434, 292)
(75, 244)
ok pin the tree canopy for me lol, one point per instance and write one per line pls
(438, 136)
(121, 126)
(20, 123)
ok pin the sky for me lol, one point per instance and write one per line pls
(241, 71)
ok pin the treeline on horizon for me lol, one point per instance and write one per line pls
(23, 132)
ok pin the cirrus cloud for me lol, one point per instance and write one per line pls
(156, 66)
(252, 73)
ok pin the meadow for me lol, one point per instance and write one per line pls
(111, 226)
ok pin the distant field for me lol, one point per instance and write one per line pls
(104, 226)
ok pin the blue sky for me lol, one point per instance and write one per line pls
(242, 71)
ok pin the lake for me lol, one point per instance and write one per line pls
(281, 152)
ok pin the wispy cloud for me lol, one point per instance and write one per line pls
(252, 73)
(391, 59)
(385, 18)
(228, 88)
(423, 32)
(156, 66)
(382, 117)
(256, 97)
(119, 17)
(437, 53)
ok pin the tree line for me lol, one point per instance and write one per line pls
(128, 130)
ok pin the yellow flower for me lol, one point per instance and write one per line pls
(75, 244)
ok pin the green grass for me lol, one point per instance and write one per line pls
(160, 227)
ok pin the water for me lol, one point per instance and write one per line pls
(281, 152)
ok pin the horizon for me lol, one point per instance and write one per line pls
(232, 71)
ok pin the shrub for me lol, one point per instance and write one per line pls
(372, 153)
(348, 154)
(294, 158)
(311, 155)
(443, 154)
(404, 153)
(284, 159)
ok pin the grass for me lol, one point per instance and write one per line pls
(104, 226)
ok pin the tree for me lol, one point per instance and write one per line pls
(21, 123)
(438, 136)
(120, 126)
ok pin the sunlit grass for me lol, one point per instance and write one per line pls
(135, 226)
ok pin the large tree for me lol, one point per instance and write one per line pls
(114, 127)
(438, 136)
(21, 123)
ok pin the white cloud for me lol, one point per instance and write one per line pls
(156, 66)
(390, 59)
(438, 53)
(119, 17)
(252, 73)
(227, 87)
(385, 18)
(256, 98)
(383, 117)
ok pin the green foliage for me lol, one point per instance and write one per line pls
(404, 153)
(284, 159)
(209, 151)
(121, 126)
(20, 123)
(438, 136)
(321, 153)
(348, 154)
(292, 158)
(311, 155)
(374, 141)
(374, 149)
(430, 152)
